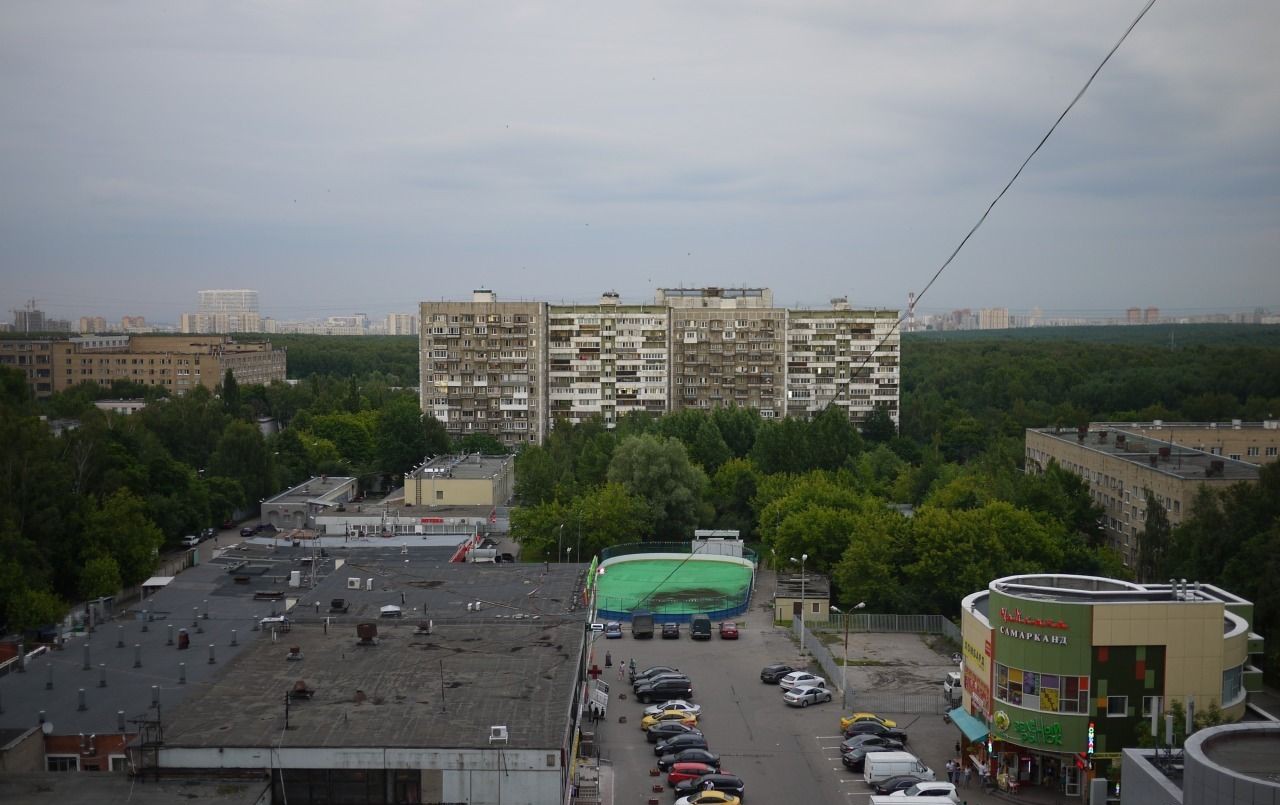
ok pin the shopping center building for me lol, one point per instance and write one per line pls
(1063, 672)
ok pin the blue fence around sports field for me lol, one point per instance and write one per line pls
(632, 548)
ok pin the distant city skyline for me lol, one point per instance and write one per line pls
(345, 159)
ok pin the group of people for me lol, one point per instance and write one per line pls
(958, 771)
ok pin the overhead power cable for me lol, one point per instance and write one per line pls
(982, 219)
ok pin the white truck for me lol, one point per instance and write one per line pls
(883, 765)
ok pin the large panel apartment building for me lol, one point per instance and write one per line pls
(177, 363)
(512, 369)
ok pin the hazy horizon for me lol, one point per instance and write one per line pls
(344, 159)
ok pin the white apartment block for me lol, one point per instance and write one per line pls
(836, 357)
(607, 360)
(512, 369)
(402, 324)
(241, 300)
(220, 323)
(481, 365)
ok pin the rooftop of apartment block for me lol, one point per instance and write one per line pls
(1156, 454)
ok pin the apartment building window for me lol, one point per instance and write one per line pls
(1253, 451)
(1117, 706)
(1271, 451)
(1234, 456)
(62, 763)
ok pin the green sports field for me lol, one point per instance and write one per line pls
(672, 586)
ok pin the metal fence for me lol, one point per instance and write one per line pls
(888, 623)
(876, 701)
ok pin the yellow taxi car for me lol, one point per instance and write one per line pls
(683, 716)
(854, 718)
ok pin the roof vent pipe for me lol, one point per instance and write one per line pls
(48, 676)
(119, 721)
(82, 706)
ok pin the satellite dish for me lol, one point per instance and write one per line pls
(47, 728)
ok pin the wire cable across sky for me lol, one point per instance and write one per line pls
(982, 219)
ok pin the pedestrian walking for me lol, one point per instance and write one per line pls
(968, 775)
(619, 671)
(951, 771)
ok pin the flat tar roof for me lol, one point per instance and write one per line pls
(467, 467)
(1181, 462)
(182, 603)
(513, 662)
(314, 489)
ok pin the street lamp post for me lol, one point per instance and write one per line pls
(844, 673)
(801, 561)
(569, 551)
(560, 545)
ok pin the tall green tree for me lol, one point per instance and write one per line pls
(400, 438)
(231, 393)
(659, 471)
(1154, 541)
(121, 529)
(241, 455)
(709, 450)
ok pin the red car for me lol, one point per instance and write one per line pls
(728, 630)
(688, 771)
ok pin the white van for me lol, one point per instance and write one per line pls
(952, 689)
(883, 765)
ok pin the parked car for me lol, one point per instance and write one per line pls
(227, 525)
(875, 728)
(670, 631)
(678, 716)
(719, 781)
(689, 756)
(340, 605)
(869, 740)
(247, 531)
(665, 689)
(649, 680)
(899, 783)
(680, 772)
(709, 798)
(728, 630)
(677, 743)
(855, 759)
(700, 628)
(946, 792)
(208, 533)
(674, 704)
(506, 557)
(612, 630)
(800, 678)
(771, 674)
(854, 718)
(650, 671)
(665, 729)
(190, 541)
(805, 696)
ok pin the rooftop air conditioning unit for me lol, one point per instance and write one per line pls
(353, 583)
(498, 734)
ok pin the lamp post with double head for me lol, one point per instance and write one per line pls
(845, 665)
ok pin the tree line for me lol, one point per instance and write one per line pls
(84, 511)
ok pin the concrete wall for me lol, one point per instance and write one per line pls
(1143, 783)
(25, 754)
(498, 776)
(1206, 782)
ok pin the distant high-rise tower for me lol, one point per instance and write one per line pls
(229, 301)
(1151, 315)
(911, 311)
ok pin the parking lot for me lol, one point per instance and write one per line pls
(785, 754)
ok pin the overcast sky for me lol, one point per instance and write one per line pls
(344, 157)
